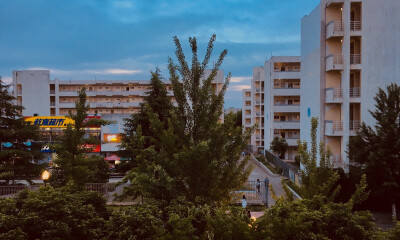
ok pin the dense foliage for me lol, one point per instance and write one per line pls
(376, 150)
(53, 214)
(279, 146)
(18, 156)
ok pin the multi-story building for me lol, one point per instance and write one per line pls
(111, 99)
(272, 104)
(253, 109)
(282, 102)
(348, 50)
(247, 120)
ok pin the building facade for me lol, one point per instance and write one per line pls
(348, 50)
(115, 100)
(282, 102)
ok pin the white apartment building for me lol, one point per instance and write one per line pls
(41, 96)
(272, 104)
(110, 99)
(253, 109)
(282, 102)
(348, 50)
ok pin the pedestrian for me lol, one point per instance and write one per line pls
(244, 202)
(248, 214)
(258, 185)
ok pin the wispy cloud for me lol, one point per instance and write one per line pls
(111, 71)
(240, 79)
(238, 87)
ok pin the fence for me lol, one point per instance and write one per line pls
(101, 188)
(12, 189)
(255, 192)
(288, 170)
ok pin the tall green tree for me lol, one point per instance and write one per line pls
(159, 102)
(74, 159)
(377, 149)
(198, 157)
(18, 156)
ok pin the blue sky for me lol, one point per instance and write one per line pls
(124, 40)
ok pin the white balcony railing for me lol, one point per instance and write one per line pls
(333, 95)
(333, 128)
(355, 25)
(336, 160)
(355, 92)
(355, 58)
(354, 125)
(52, 91)
(334, 29)
(334, 62)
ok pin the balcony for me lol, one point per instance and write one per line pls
(333, 128)
(333, 95)
(19, 92)
(52, 91)
(52, 104)
(287, 125)
(334, 62)
(354, 127)
(337, 160)
(355, 61)
(334, 29)
(286, 91)
(286, 107)
(355, 26)
(292, 142)
(67, 105)
(258, 90)
(331, 2)
(355, 94)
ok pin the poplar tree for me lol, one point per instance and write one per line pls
(74, 162)
(18, 156)
(197, 157)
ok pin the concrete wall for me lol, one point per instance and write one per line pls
(311, 68)
(380, 51)
(35, 91)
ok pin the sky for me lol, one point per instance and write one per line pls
(125, 40)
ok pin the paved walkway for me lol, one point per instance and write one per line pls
(260, 173)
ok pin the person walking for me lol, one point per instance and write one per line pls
(244, 202)
(258, 185)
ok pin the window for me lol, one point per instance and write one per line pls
(276, 117)
(127, 88)
(290, 102)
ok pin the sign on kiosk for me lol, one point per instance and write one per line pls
(112, 137)
(50, 122)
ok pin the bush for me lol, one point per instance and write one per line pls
(53, 214)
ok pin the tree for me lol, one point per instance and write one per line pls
(18, 156)
(160, 103)
(49, 213)
(196, 156)
(318, 176)
(377, 150)
(74, 161)
(279, 146)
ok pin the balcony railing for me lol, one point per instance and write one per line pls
(355, 25)
(355, 92)
(336, 160)
(52, 91)
(52, 103)
(355, 58)
(19, 91)
(355, 125)
(334, 62)
(337, 126)
(258, 89)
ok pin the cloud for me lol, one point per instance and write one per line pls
(238, 87)
(115, 71)
(240, 79)
(7, 80)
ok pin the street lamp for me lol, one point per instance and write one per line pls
(45, 176)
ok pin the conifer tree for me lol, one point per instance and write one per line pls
(74, 161)
(377, 150)
(18, 156)
(198, 157)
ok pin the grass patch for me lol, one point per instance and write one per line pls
(292, 185)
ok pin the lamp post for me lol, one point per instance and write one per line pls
(45, 176)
